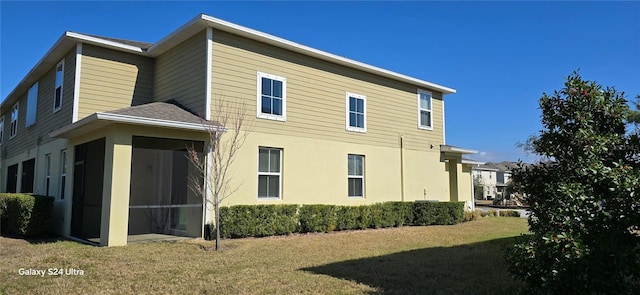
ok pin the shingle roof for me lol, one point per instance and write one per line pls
(143, 45)
(159, 111)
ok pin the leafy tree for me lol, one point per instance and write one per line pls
(634, 116)
(585, 199)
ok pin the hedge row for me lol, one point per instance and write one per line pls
(268, 220)
(25, 215)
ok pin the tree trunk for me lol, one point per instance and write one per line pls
(216, 211)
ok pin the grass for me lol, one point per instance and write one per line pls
(457, 259)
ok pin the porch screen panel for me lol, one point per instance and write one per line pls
(161, 201)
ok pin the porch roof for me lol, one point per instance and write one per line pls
(156, 114)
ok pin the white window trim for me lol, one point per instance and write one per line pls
(364, 100)
(29, 102)
(55, 110)
(420, 126)
(279, 174)
(15, 106)
(356, 176)
(63, 173)
(259, 113)
(47, 174)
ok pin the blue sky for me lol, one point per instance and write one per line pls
(499, 56)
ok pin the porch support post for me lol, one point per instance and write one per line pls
(115, 193)
(453, 180)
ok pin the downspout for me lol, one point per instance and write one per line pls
(402, 168)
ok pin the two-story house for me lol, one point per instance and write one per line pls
(494, 178)
(103, 124)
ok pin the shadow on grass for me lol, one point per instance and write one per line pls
(477, 268)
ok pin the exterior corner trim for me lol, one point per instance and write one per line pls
(209, 79)
(76, 86)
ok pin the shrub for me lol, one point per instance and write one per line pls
(509, 213)
(492, 213)
(471, 215)
(347, 217)
(26, 215)
(376, 212)
(317, 218)
(258, 220)
(431, 213)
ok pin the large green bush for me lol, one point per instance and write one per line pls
(432, 213)
(267, 220)
(585, 200)
(258, 220)
(317, 218)
(26, 215)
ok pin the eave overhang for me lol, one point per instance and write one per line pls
(69, 39)
(100, 120)
(450, 149)
(472, 162)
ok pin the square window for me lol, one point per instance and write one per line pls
(355, 177)
(32, 105)
(271, 97)
(425, 119)
(269, 173)
(14, 121)
(57, 95)
(356, 112)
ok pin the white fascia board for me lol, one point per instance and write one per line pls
(472, 162)
(25, 80)
(280, 42)
(75, 125)
(125, 119)
(175, 33)
(117, 118)
(455, 149)
(104, 43)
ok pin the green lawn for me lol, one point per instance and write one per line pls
(456, 259)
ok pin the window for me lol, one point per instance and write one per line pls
(1, 129)
(47, 174)
(356, 175)
(14, 121)
(269, 173)
(32, 105)
(356, 110)
(63, 172)
(272, 97)
(425, 118)
(57, 95)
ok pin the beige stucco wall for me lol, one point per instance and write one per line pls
(314, 171)
(39, 152)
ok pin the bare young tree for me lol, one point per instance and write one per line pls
(227, 131)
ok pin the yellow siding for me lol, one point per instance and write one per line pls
(46, 120)
(111, 80)
(316, 95)
(181, 74)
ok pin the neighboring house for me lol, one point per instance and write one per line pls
(102, 124)
(494, 178)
